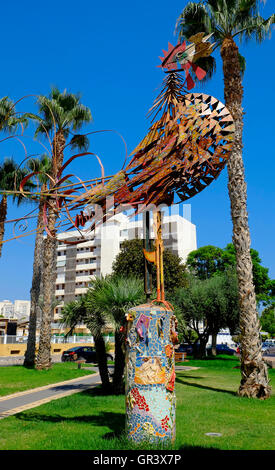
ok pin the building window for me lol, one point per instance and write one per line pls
(61, 253)
(123, 233)
(60, 286)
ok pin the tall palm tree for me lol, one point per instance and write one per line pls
(42, 166)
(60, 115)
(10, 178)
(228, 20)
(114, 297)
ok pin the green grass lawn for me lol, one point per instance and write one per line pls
(18, 378)
(206, 402)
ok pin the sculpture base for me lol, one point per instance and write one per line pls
(150, 374)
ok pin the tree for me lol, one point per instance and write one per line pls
(10, 178)
(264, 286)
(228, 20)
(268, 320)
(205, 261)
(206, 306)
(59, 115)
(209, 260)
(224, 294)
(84, 310)
(114, 297)
(97, 322)
(42, 166)
(130, 262)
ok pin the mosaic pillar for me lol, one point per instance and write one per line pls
(150, 374)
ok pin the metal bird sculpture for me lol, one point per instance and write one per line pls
(186, 147)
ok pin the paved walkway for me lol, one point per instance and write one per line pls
(21, 401)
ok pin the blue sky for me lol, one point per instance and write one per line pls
(108, 51)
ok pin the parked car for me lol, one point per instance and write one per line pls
(270, 351)
(87, 353)
(185, 347)
(223, 349)
(266, 345)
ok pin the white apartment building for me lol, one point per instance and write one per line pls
(77, 264)
(18, 309)
(6, 309)
(22, 309)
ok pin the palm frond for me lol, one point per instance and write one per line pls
(114, 296)
(72, 313)
(255, 27)
(209, 65)
(42, 165)
(193, 19)
(80, 141)
(77, 116)
(61, 111)
(10, 120)
(11, 176)
(242, 64)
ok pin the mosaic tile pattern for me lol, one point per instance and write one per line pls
(150, 374)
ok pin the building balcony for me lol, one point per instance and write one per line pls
(81, 290)
(83, 278)
(88, 243)
(62, 247)
(85, 266)
(61, 258)
(59, 292)
(85, 254)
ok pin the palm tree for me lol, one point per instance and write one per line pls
(42, 166)
(114, 297)
(97, 322)
(228, 20)
(83, 310)
(10, 178)
(59, 115)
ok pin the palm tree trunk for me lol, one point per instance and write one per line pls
(49, 272)
(3, 216)
(43, 360)
(118, 381)
(102, 361)
(36, 286)
(254, 381)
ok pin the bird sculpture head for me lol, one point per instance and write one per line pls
(183, 57)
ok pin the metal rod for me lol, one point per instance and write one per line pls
(147, 264)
